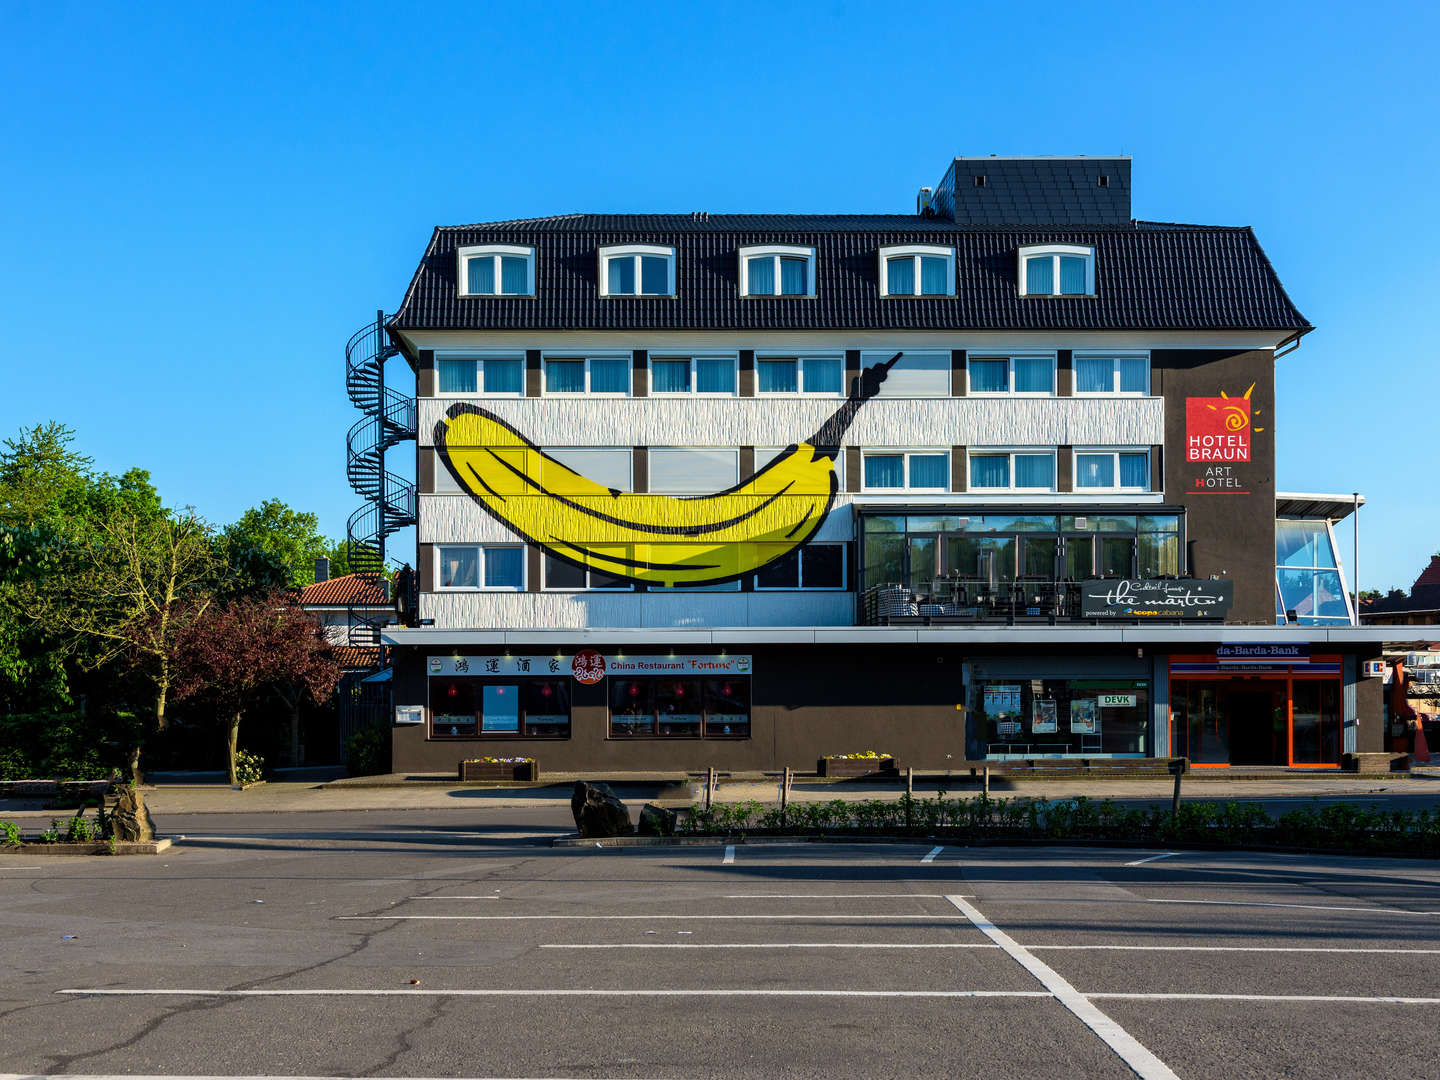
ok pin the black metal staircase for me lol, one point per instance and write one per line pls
(389, 419)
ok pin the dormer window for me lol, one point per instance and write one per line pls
(637, 270)
(917, 271)
(777, 271)
(1057, 270)
(496, 270)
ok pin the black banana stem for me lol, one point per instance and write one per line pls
(828, 439)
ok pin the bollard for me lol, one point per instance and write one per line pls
(1177, 766)
(709, 786)
(985, 781)
(909, 793)
(784, 795)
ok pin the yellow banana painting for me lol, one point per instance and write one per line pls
(660, 540)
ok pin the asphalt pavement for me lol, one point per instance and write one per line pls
(446, 943)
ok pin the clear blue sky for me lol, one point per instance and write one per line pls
(198, 203)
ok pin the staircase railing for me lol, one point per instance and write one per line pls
(390, 505)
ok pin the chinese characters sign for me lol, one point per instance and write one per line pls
(589, 666)
(500, 665)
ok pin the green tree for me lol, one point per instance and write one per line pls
(273, 545)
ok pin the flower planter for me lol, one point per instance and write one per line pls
(499, 770)
(837, 766)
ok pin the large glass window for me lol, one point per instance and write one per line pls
(1038, 717)
(676, 708)
(814, 566)
(516, 708)
(1307, 574)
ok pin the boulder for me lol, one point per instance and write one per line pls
(656, 820)
(598, 811)
(130, 817)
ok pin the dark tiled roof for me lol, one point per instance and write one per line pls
(1036, 190)
(351, 590)
(1149, 275)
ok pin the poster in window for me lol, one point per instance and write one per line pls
(1043, 719)
(1084, 717)
(1002, 700)
(500, 710)
(1009, 727)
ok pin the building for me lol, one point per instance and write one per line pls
(1419, 607)
(993, 479)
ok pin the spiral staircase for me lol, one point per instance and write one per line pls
(388, 419)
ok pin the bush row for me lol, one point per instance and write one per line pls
(1342, 826)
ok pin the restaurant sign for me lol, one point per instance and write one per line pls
(588, 666)
(1170, 598)
(501, 665)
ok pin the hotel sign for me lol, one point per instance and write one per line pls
(1180, 598)
(1217, 439)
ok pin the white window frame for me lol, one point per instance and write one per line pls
(917, 252)
(479, 359)
(480, 585)
(1010, 452)
(635, 251)
(1055, 251)
(556, 452)
(777, 252)
(798, 359)
(1114, 453)
(545, 585)
(1114, 358)
(802, 587)
(545, 390)
(1010, 359)
(694, 390)
(462, 267)
(907, 454)
(653, 450)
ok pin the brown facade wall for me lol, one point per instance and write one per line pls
(1230, 527)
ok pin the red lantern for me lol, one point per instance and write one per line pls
(545, 690)
(634, 690)
(679, 689)
(454, 690)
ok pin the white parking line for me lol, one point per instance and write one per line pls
(1145, 1064)
(595, 992)
(453, 898)
(1232, 948)
(161, 1076)
(930, 855)
(1153, 858)
(786, 917)
(795, 945)
(1299, 907)
(1338, 999)
(729, 854)
(839, 896)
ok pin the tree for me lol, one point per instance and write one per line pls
(273, 545)
(339, 553)
(234, 651)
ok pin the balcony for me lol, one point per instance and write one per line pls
(971, 600)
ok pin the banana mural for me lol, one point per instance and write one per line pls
(660, 540)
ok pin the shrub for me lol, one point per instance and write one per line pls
(81, 831)
(9, 834)
(367, 753)
(249, 768)
(52, 834)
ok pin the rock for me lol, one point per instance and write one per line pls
(598, 812)
(130, 817)
(656, 820)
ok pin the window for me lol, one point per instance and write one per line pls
(907, 470)
(814, 566)
(777, 271)
(519, 708)
(693, 375)
(1034, 375)
(499, 567)
(561, 576)
(589, 375)
(821, 375)
(496, 270)
(685, 471)
(915, 374)
(1307, 574)
(1112, 375)
(917, 271)
(1057, 270)
(637, 270)
(671, 708)
(1112, 470)
(612, 468)
(1012, 470)
(494, 375)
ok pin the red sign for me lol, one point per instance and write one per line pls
(1217, 429)
(588, 666)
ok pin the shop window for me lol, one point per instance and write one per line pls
(515, 709)
(666, 707)
(1018, 717)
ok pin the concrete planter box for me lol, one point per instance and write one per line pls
(122, 847)
(499, 770)
(843, 767)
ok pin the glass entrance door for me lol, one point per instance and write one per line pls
(1315, 722)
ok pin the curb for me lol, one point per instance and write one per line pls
(122, 847)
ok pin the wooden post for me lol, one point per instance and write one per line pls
(909, 793)
(784, 796)
(709, 786)
(1179, 771)
(985, 781)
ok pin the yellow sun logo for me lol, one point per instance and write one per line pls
(1236, 417)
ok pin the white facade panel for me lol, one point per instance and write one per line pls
(459, 519)
(519, 611)
(772, 421)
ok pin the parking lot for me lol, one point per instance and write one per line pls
(418, 947)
